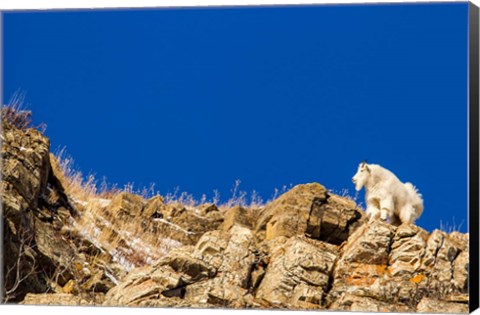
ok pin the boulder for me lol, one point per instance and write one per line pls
(153, 207)
(460, 271)
(125, 206)
(407, 250)
(182, 224)
(233, 255)
(370, 244)
(206, 208)
(236, 215)
(309, 209)
(298, 273)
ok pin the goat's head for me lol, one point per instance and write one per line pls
(362, 175)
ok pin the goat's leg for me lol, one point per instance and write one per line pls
(407, 214)
(373, 212)
(386, 208)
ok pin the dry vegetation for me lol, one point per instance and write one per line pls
(134, 243)
(127, 241)
(15, 114)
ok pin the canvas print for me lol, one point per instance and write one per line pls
(270, 157)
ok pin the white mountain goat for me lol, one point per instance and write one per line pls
(386, 196)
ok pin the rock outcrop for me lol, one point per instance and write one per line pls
(380, 268)
(308, 249)
(25, 179)
(41, 253)
(309, 209)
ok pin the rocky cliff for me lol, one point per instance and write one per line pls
(307, 249)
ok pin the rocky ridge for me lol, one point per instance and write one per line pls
(307, 249)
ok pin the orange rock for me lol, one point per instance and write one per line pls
(417, 279)
(366, 274)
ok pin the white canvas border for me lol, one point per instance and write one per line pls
(99, 4)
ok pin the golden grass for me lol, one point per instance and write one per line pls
(133, 242)
(140, 241)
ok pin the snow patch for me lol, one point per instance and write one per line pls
(103, 202)
(174, 225)
(80, 202)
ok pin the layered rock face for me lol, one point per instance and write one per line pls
(308, 249)
(378, 267)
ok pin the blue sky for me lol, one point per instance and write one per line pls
(273, 96)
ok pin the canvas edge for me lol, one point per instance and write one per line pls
(473, 156)
(1, 165)
(473, 164)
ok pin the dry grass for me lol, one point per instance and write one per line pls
(75, 184)
(238, 197)
(16, 115)
(132, 243)
(451, 227)
(138, 242)
(129, 242)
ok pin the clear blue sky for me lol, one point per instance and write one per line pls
(273, 96)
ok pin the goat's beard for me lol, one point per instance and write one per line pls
(359, 185)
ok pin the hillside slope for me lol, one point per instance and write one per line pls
(307, 249)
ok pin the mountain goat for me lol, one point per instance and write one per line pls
(386, 196)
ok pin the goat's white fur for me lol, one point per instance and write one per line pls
(386, 196)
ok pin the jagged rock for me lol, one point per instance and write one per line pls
(212, 273)
(37, 215)
(309, 209)
(207, 208)
(235, 215)
(446, 254)
(142, 284)
(298, 273)
(25, 173)
(125, 206)
(429, 305)
(407, 250)
(460, 271)
(25, 169)
(444, 274)
(335, 220)
(370, 244)
(182, 224)
(399, 265)
(153, 207)
(193, 269)
(289, 214)
(198, 225)
(232, 254)
(359, 278)
(461, 239)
